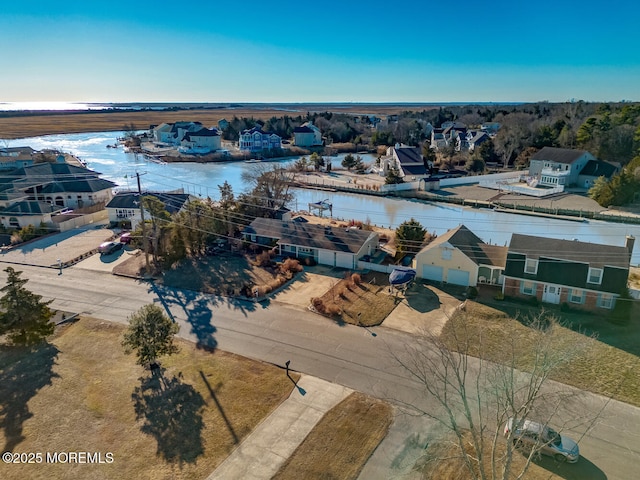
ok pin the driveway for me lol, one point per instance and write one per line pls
(64, 246)
(313, 282)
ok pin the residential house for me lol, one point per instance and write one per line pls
(173, 133)
(460, 257)
(29, 195)
(16, 157)
(476, 138)
(204, 140)
(125, 206)
(437, 139)
(407, 161)
(558, 166)
(307, 135)
(594, 169)
(327, 245)
(256, 140)
(490, 128)
(583, 275)
(223, 123)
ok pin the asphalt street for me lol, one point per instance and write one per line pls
(355, 357)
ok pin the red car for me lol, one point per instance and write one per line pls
(125, 238)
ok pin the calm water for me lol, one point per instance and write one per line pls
(203, 180)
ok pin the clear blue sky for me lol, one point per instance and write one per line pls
(322, 51)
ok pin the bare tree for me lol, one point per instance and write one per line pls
(472, 398)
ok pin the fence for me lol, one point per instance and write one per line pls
(81, 220)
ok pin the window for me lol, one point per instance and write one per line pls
(446, 253)
(594, 276)
(576, 295)
(605, 300)
(528, 288)
(531, 266)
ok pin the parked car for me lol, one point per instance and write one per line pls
(529, 434)
(109, 247)
(125, 238)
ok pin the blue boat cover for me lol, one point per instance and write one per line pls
(400, 276)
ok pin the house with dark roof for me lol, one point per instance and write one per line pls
(25, 191)
(407, 161)
(125, 206)
(460, 257)
(476, 138)
(307, 135)
(16, 157)
(327, 245)
(204, 140)
(583, 275)
(257, 140)
(553, 167)
(595, 169)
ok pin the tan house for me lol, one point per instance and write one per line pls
(460, 257)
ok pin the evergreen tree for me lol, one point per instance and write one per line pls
(150, 334)
(410, 236)
(26, 318)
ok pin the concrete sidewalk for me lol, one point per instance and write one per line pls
(262, 453)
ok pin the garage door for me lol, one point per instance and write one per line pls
(326, 257)
(344, 260)
(458, 277)
(432, 272)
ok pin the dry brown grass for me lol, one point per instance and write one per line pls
(34, 125)
(599, 367)
(366, 304)
(341, 442)
(183, 430)
(443, 460)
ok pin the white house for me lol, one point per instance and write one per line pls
(307, 135)
(256, 140)
(460, 257)
(125, 206)
(558, 166)
(407, 161)
(201, 141)
(327, 245)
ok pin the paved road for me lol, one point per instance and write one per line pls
(347, 355)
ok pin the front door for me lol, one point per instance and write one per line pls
(551, 294)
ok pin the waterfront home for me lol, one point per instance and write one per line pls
(29, 195)
(407, 161)
(204, 140)
(257, 140)
(326, 245)
(124, 207)
(558, 166)
(459, 257)
(307, 135)
(583, 275)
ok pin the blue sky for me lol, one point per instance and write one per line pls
(347, 51)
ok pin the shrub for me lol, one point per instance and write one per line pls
(263, 259)
(291, 265)
(318, 304)
(472, 292)
(333, 309)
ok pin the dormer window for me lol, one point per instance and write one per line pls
(531, 266)
(594, 276)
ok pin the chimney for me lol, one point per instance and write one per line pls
(629, 242)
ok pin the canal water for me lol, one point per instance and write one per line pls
(203, 180)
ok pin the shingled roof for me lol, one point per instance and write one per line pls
(558, 155)
(473, 247)
(309, 235)
(594, 254)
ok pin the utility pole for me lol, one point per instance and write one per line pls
(145, 241)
